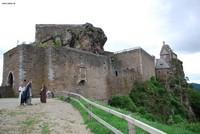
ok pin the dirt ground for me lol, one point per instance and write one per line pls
(55, 117)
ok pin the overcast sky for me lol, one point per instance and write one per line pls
(127, 24)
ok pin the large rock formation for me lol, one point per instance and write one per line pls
(85, 37)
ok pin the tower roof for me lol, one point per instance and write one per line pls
(165, 49)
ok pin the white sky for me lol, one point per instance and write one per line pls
(127, 23)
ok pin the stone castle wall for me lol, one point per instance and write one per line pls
(72, 58)
(26, 62)
(69, 69)
(11, 66)
(59, 69)
(33, 65)
(148, 65)
(128, 67)
(123, 72)
(77, 71)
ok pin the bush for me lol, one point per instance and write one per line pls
(178, 119)
(141, 110)
(157, 101)
(123, 102)
(195, 127)
(149, 117)
(194, 97)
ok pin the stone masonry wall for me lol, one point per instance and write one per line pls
(32, 67)
(78, 71)
(130, 60)
(124, 70)
(148, 65)
(69, 69)
(11, 65)
(25, 62)
(128, 67)
(6, 91)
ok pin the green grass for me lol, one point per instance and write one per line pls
(15, 113)
(29, 122)
(115, 121)
(92, 124)
(180, 128)
(97, 128)
(45, 129)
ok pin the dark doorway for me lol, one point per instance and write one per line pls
(10, 79)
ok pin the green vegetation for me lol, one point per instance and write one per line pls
(122, 102)
(162, 108)
(28, 125)
(57, 42)
(157, 103)
(194, 97)
(15, 113)
(167, 109)
(54, 42)
(45, 129)
(29, 122)
(97, 128)
(42, 45)
(93, 125)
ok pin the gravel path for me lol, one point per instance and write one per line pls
(55, 117)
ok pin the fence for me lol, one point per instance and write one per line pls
(132, 123)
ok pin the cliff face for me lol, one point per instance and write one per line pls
(178, 86)
(85, 37)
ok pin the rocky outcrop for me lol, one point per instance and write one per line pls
(169, 71)
(85, 37)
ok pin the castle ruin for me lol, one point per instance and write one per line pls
(72, 58)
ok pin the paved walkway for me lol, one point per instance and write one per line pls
(54, 117)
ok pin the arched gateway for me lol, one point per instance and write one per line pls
(10, 79)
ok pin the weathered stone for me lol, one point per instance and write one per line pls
(66, 67)
(85, 37)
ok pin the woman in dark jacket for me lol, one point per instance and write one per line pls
(43, 97)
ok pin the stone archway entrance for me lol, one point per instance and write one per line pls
(10, 79)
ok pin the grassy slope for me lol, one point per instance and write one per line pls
(96, 128)
(181, 128)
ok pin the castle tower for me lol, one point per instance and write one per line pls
(168, 65)
(166, 53)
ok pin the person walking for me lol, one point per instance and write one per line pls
(43, 96)
(21, 90)
(27, 94)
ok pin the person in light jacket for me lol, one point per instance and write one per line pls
(21, 90)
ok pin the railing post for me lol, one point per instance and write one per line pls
(131, 128)
(90, 108)
(132, 123)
